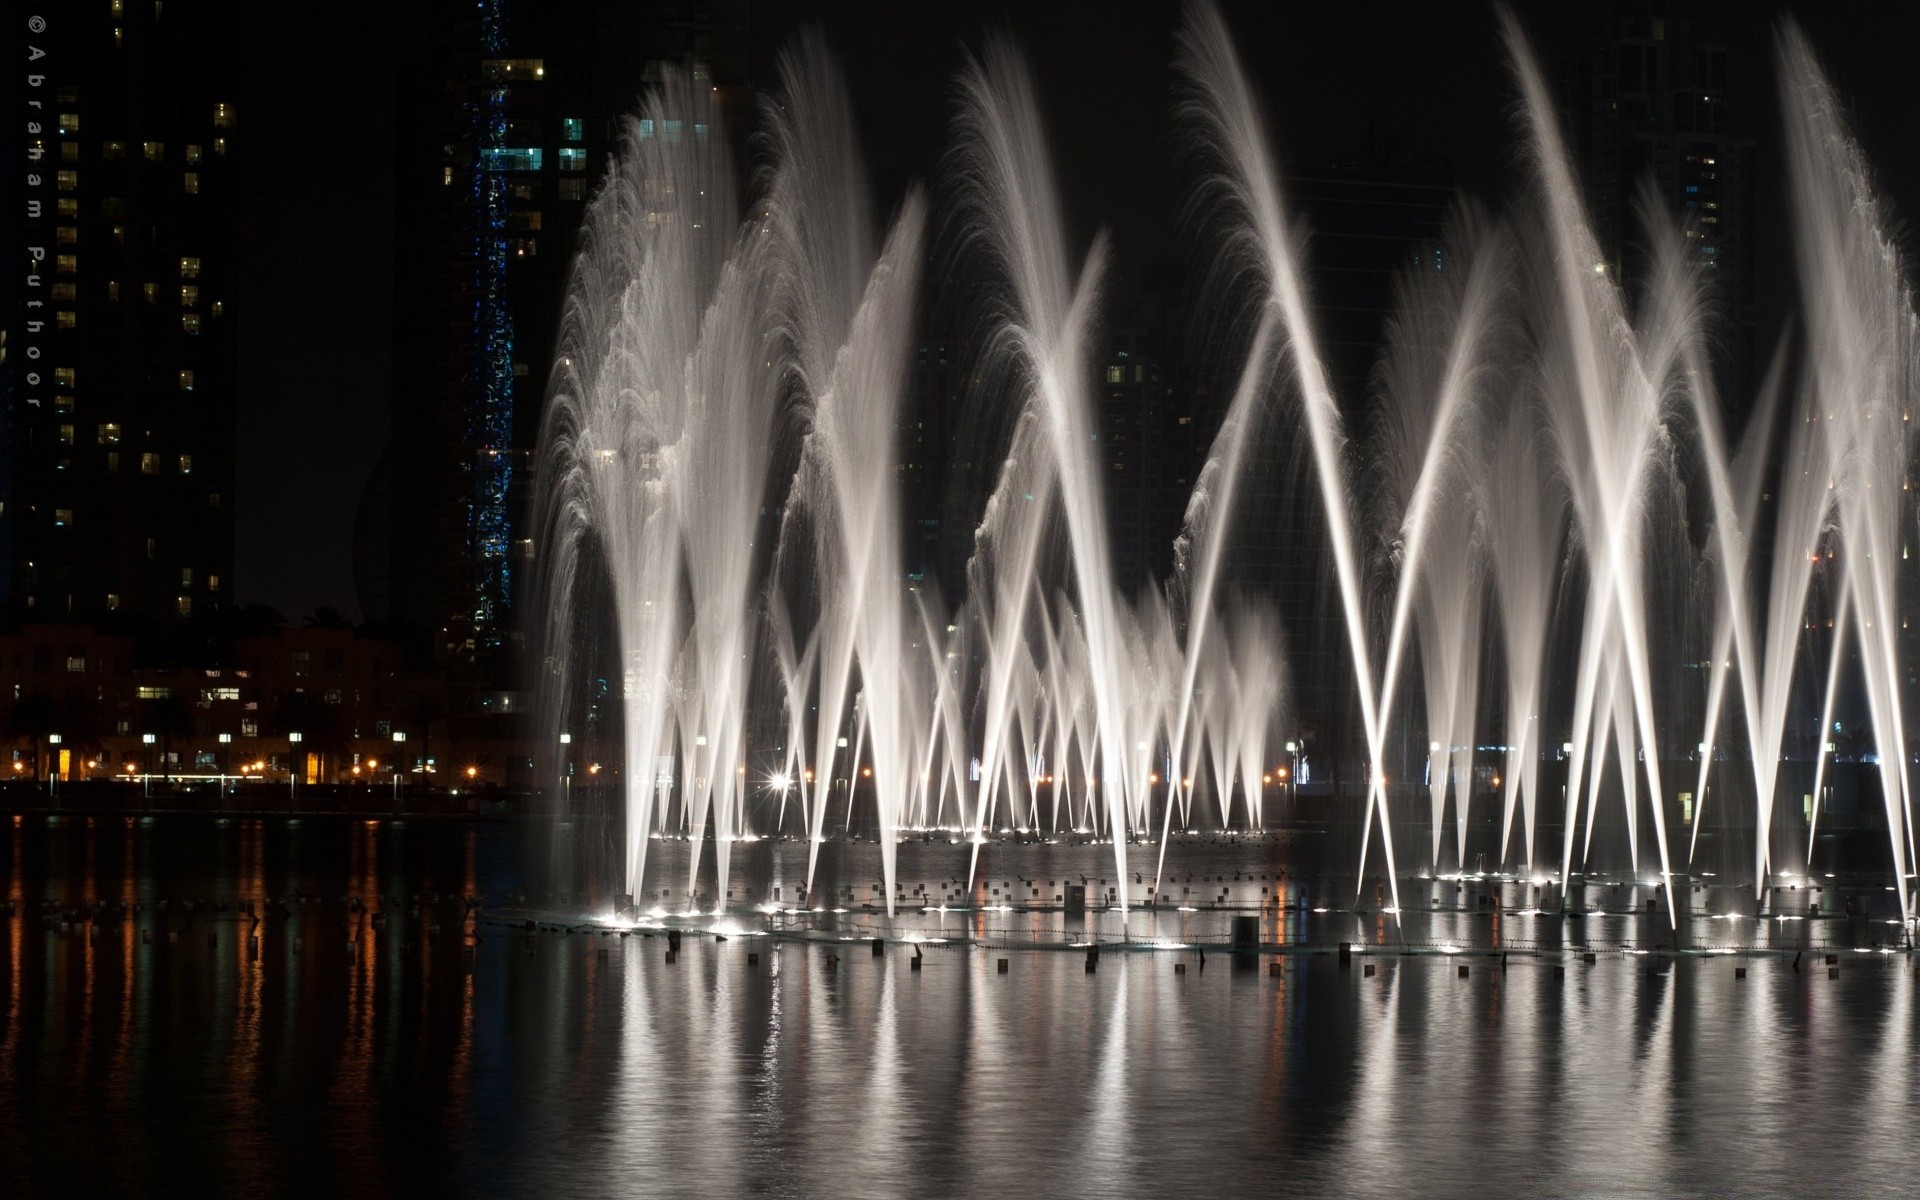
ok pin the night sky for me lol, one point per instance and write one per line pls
(317, 348)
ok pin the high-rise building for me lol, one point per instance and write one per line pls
(1648, 104)
(1372, 216)
(509, 113)
(120, 344)
(1146, 454)
(932, 547)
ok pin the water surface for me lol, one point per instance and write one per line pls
(443, 1055)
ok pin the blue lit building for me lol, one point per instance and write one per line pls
(1649, 101)
(508, 112)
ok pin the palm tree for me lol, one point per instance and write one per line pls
(33, 716)
(316, 721)
(168, 716)
(328, 617)
(422, 709)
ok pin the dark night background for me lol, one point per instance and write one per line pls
(316, 356)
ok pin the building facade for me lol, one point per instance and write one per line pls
(509, 114)
(120, 354)
(1648, 107)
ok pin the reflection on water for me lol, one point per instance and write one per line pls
(340, 1054)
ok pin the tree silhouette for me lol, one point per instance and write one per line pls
(421, 710)
(328, 617)
(33, 716)
(256, 620)
(167, 717)
(317, 722)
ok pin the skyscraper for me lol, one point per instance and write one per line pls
(1372, 215)
(509, 114)
(120, 345)
(1648, 105)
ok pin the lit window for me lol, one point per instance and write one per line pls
(149, 465)
(154, 151)
(113, 150)
(249, 728)
(184, 604)
(66, 235)
(119, 235)
(66, 181)
(113, 290)
(1116, 374)
(186, 381)
(66, 292)
(62, 516)
(219, 145)
(218, 308)
(213, 585)
(500, 70)
(189, 295)
(223, 115)
(573, 189)
(186, 577)
(76, 664)
(69, 208)
(514, 158)
(573, 129)
(189, 322)
(66, 264)
(66, 435)
(154, 693)
(113, 603)
(108, 434)
(193, 154)
(191, 182)
(63, 403)
(186, 464)
(63, 376)
(69, 124)
(151, 291)
(64, 319)
(573, 158)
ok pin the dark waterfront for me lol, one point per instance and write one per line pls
(162, 1055)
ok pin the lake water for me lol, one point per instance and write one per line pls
(443, 1051)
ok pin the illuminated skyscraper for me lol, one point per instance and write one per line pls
(120, 350)
(509, 113)
(1649, 104)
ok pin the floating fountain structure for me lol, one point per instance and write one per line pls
(726, 613)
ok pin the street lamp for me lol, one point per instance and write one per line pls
(399, 736)
(146, 767)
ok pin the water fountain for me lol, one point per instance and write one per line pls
(720, 517)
